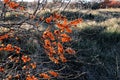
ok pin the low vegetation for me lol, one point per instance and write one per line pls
(48, 49)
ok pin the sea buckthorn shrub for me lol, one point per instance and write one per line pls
(18, 65)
